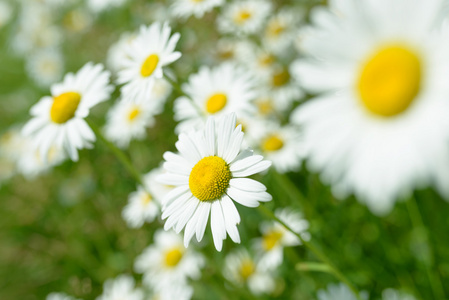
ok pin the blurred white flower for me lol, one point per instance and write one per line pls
(379, 126)
(6, 12)
(197, 8)
(58, 121)
(219, 91)
(146, 55)
(339, 292)
(392, 294)
(116, 55)
(45, 66)
(120, 288)
(98, 6)
(60, 296)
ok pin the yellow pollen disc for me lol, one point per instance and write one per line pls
(247, 269)
(242, 17)
(134, 113)
(146, 199)
(149, 65)
(281, 78)
(265, 107)
(390, 80)
(216, 102)
(272, 143)
(64, 107)
(209, 178)
(270, 239)
(266, 60)
(274, 29)
(173, 256)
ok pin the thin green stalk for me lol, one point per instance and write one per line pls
(320, 255)
(418, 225)
(119, 154)
(313, 267)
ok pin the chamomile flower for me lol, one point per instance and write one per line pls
(128, 120)
(339, 292)
(281, 30)
(147, 54)
(122, 287)
(5, 13)
(178, 292)
(167, 264)
(58, 120)
(214, 92)
(197, 8)
(117, 52)
(379, 71)
(45, 66)
(59, 296)
(143, 204)
(392, 294)
(242, 269)
(281, 145)
(244, 17)
(208, 174)
(275, 237)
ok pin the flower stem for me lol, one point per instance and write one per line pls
(426, 260)
(318, 253)
(119, 154)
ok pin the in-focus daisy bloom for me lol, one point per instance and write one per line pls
(275, 237)
(167, 264)
(242, 269)
(122, 287)
(197, 8)
(147, 54)
(208, 174)
(379, 127)
(143, 204)
(214, 92)
(58, 121)
(244, 17)
(129, 120)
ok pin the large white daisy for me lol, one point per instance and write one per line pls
(208, 173)
(58, 120)
(379, 126)
(147, 54)
(214, 92)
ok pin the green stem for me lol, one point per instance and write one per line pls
(124, 160)
(320, 255)
(293, 193)
(418, 226)
(313, 266)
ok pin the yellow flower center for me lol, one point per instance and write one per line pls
(216, 102)
(242, 16)
(149, 65)
(64, 107)
(274, 29)
(209, 178)
(265, 106)
(134, 113)
(272, 143)
(247, 269)
(266, 60)
(390, 80)
(173, 257)
(146, 198)
(281, 78)
(270, 239)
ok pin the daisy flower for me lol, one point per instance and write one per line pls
(392, 294)
(209, 174)
(59, 120)
(116, 55)
(178, 292)
(380, 72)
(339, 292)
(45, 66)
(127, 120)
(276, 237)
(244, 17)
(197, 8)
(281, 145)
(122, 287)
(148, 53)
(281, 30)
(242, 269)
(167, 264)
(5, 13)
(59, 296)
(143, 204)
(214, 92)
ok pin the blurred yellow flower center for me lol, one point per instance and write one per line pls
(134, 113)
(216, 102)
(209, 178)
(266, 60)
(247, 269)
(271, 239)
(146, 198)
(265, 107)
(281, 78)
(173, 257)
(274, 29)
(272, 143)
(242, 16)
(64, 107)
(390, 81)
(149, 65)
